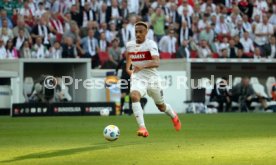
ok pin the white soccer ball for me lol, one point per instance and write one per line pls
(111, 132)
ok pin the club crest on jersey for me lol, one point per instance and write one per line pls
(140, 56)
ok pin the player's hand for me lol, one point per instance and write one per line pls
(129, 72)
(137, 69)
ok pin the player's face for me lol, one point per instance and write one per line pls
(140, 33)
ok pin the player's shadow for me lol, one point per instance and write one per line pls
(63, 152)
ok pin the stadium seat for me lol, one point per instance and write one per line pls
(259, 89)
(165, 55)
(28, 87)
(236, 80)
(254, 80)
(193, 54)
(269, 82)
(104, 57)
(215, 55)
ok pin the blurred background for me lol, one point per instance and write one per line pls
(225, 49)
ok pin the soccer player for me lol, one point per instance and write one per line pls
(143, 54)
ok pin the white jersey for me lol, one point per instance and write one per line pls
(140, 54)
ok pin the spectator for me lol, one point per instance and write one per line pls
(7, 6)
(106, 31)
(183, 51)
(25, 51)
(11, 50)
(38, 49)
(246, 8)
(220, 93)
(18, 41)
(124, 34)
(75, 15)
(115, 53)
(114, 13)
(3, 51)
(262, 32)
(41, 29)
(56, 50)
(124, 10)
(131, 26)
(102, 14)
(232, 24)
(103, 44)
(56, 27)
(238, 43)
(145, 8)
(246, 24)
(90, 48)
(4, 35)
(73, 32)
(207, 34)
(60, 6)
(91, 25)
(113, 31)
(27, 14)
(185, 6)
(66, 20)
(221, 28)
(87, 15)
(244, 94)
(255, 22)
(168, 43)
(203, 49)
(5, 17)
(203, 22)
(207, 3)
(150, 34)
(272, 47)
(133, 6)
(21, 25)
(185, 33)
(258, 54)
(7, 31)
(40, 11)
(224, 53)
(240, 54)
(247, 44)
(233, 50)
(174, 17)
(185, 17)
(223, 45)
(158, 23)
(69, 50)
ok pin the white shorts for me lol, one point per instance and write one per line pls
(144, 86)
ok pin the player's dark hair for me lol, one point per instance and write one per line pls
(140, 23)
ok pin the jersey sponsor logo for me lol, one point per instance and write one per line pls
(140, 56)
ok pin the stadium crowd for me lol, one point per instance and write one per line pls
(99, 29)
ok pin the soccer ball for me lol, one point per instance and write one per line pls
(111, 132)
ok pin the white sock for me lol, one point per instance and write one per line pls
(138, 113)
(169, 111)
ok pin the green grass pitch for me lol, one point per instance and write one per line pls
(221, 139)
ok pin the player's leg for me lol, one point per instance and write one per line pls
(136, 92)
(157, 95)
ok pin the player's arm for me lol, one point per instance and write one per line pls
(154, 63)
(128, 64)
